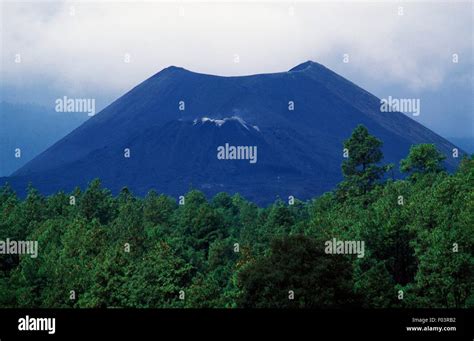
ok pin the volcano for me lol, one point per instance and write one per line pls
(165, 134)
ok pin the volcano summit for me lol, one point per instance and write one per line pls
(164, 134)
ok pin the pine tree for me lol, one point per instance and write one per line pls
(422, 159)
(361, 170)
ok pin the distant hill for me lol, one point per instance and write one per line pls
(174, 122)
(31, 128)
(466, 143)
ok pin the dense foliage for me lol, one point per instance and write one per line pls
(97, 250)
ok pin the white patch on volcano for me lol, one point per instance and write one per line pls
(220, 122)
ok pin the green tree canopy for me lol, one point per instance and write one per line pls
(297, 264)
(360, 169)
(422, 159)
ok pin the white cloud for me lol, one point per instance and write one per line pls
(86, 51)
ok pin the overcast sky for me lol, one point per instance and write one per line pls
(78, 49)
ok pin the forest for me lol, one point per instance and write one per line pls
(97, 250)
